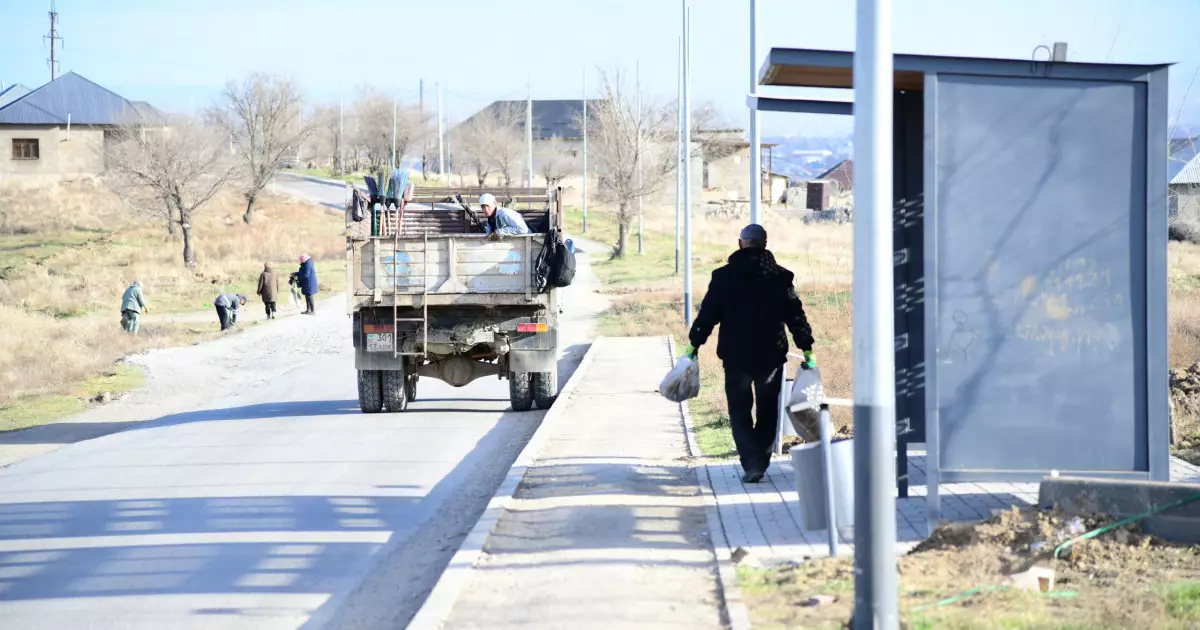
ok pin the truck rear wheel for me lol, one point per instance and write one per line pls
(410, 387)
(395, 395)
(545, 388)
(370, 391)
(520, 391)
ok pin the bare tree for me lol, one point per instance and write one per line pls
(168, 172)
(505, 144)
(262, 116)
(374, 113)
(557, 160)
(619, 139)
(472, 141)
(329, 124)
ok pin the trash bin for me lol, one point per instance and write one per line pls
(809, 466)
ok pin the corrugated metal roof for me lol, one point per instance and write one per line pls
(550, 118)
(12, 93)
(85, 102)
(1189, 174)
(1180, 153)
(842, 173)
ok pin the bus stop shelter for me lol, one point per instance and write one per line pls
(1030, 236)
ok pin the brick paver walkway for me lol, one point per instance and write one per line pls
(764, 518)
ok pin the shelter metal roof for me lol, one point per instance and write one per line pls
(799, 67)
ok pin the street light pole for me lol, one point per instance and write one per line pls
(687, 165)
(441, 135)
(756, 175)
(875, 581)
(585, 170)
(637, 156)
(678, 142)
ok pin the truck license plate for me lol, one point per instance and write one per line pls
(379, 342)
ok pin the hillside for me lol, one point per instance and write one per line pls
(68, 251)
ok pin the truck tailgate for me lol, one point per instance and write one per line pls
(444, 265)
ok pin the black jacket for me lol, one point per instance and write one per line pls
(752, 298)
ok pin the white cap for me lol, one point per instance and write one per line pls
(486, 199)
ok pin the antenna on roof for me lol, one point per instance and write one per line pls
(54, 39)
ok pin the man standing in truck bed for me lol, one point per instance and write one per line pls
(501, 221)
(753, 299)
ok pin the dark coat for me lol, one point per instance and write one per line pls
(753, 299)
(268, 285)
(308, 277)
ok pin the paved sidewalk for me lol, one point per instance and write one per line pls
(609, 528)
(764, 518)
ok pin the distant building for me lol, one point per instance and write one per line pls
(12, 93)
(1184, 192)
(59, 130)
(842, 174)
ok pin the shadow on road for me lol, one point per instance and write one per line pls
(281, 544)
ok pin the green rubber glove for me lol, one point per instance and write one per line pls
(689, 351)
(810, 360)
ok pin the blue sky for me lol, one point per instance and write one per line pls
(177, 55)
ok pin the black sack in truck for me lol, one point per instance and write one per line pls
(555, 266)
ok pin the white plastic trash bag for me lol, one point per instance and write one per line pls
(682, 382)
(804, 403)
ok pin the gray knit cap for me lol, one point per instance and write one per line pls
(754, 232)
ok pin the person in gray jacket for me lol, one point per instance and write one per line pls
(227, 308)
(133, 304)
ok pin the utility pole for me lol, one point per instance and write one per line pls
(441, 137)
(341, 148)
(756, 174)
(678, 142)
(687, 165)
(529, 134)
(54, 39)
(424, 127)
(637, 144)
(585, 170)
(875, 577)
(449, 141)
(394, 156)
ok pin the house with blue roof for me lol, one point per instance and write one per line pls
(59, 130)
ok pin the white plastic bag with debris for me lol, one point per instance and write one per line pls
(804, 404)
(682, 382)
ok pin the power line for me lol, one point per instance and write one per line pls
(1117, 34)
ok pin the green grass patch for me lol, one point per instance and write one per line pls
(1183, 600)
(35, 410)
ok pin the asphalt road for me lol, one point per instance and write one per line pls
(328, 193)
(244, 489)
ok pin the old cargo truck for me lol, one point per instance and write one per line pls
(431, 295)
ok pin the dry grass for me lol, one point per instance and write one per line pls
(67, 252)
(1121, 579)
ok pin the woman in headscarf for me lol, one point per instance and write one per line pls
(308, 283)
(268, 289)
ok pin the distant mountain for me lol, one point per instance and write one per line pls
(803, 158)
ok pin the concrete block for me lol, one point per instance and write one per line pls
(1122, 498)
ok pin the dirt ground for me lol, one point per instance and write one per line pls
(1121, 579)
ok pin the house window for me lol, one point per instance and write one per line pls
(25, 149)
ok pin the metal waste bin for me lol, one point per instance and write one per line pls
(809, 465)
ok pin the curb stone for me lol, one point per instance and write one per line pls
(440, 602)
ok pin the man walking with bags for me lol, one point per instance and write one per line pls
(753, 300)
